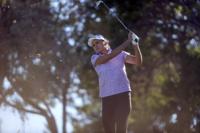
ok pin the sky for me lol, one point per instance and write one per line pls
(10, 121)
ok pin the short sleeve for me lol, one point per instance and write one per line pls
(124, 54)
(94, 58)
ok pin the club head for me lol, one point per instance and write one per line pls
(98, 3)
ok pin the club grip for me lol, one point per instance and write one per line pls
(135, 39)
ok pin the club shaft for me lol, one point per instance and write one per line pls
(118, 19)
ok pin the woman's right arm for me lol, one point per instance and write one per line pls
(103, 59)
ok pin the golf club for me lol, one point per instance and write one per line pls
(98, 3)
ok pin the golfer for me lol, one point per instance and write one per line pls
(114, 86)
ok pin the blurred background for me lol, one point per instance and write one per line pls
(48, 85)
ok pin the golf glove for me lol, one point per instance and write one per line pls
(135, 39)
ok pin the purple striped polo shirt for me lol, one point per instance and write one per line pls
(112, 75)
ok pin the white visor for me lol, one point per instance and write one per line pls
(96, 37)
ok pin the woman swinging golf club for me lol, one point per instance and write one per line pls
(114, 86)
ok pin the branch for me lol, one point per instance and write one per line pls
(22, 109)
(49, 110)
(34, 105)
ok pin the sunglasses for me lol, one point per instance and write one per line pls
(96, 42)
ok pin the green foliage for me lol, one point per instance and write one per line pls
(195, 52)
(157, 100)
(160, 79)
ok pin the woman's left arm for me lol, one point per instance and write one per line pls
(135, 59)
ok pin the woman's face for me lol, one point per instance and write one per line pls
(100, 45)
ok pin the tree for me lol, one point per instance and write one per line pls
(36, 56)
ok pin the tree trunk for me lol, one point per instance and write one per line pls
(64, 102)
(52, 124)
